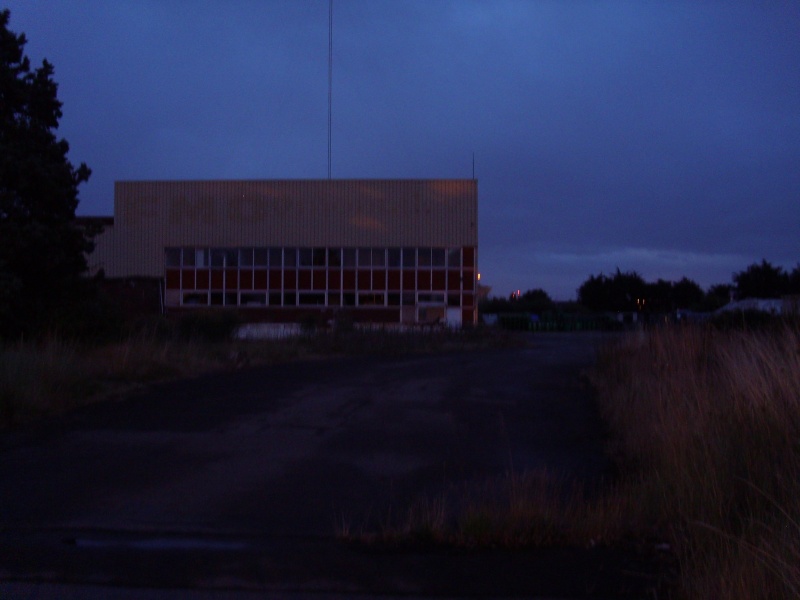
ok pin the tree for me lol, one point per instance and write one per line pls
(622, 292)
(42, 248)
(761, 281)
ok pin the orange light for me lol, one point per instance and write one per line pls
(479, 276)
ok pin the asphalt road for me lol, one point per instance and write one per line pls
(239, 481)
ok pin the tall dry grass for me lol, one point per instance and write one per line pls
(53, 375)
(706, 427)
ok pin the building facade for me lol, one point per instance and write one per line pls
(393, 251)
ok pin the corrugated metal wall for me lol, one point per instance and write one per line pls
(151, 215)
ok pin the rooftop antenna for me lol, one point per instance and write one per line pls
(330, 79)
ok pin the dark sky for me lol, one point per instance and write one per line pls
(661, 137)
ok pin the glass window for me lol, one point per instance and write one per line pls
(306, 257)
(394, 300)
(195, 299)
(424, 257)
(231, 258)
(253, 299)
(409, 299)
(364, 257)
(275, 257)
(454, 257)
(231, 299)
(349, 259)
(261, 257)
(378, 257)
(334, 257)
(290, 258)
(246, 257)
(312, 299)
(172, 256)
(393, 257)
(216, 298)
(201, 257)
(217, 258)
(409, 257)
(318, 259)
(348, 299)
(438, 257)
(274, 298)
(188, 257)
(289, 299)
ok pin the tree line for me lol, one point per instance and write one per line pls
(629, 292)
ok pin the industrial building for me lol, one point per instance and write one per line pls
(387, 251)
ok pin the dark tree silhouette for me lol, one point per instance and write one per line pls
(761, 281)
(622, 292)
(42, 249)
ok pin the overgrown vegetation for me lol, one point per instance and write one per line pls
(53, 374)
(705, 438)
(707, 430)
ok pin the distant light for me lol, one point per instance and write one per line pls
(479, 276)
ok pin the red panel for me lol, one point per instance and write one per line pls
(379, 280)
(275, 279)
(469, 300)
(469, 281)
(246, 279)
(187, 279)
(231, 279)
(394, 280)
(202, 279)
(409, 283)
(424, 281)
(304, 279)
(469, 257)
(216, 279)
(438, 281)
(348, 279)
(454, 280)
(320, 282)
(260, 280)
(364, 280)
(173, 279)
(335, 279)
(290, 279)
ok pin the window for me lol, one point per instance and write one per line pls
(424, 257)
(201, 257)
(217, 258)
(318, 257)
(364, 257)
(371, 299)
(253, 299)
(334, 257)
(275, 257)
(378, 257)
(231, 257)
(438, 257)
(261, 257)
(274, 298)
(188, 257)
(172, 256)
(246, 257)
(306, 257)
(454, 257)
(195, 299)
(393, 257)
(431, 298)
(349, 259)
(409, 257)
(313, 299)
(290, 257)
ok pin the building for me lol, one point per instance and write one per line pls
(389, 251)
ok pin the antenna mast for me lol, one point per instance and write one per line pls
(330, 79)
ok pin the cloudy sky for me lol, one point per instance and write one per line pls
(661, 137)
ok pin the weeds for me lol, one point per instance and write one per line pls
(709, 422)
(53, 375)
